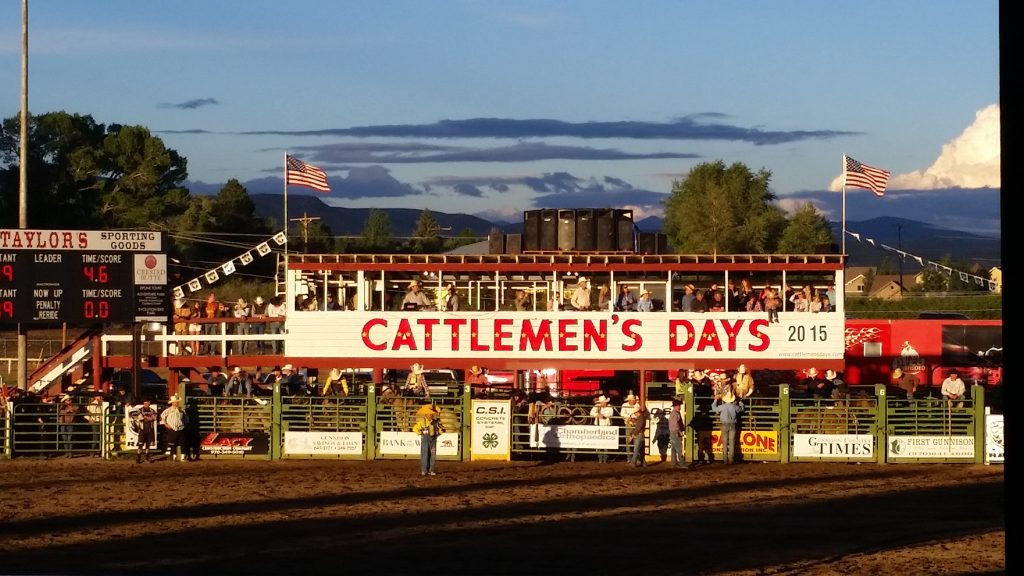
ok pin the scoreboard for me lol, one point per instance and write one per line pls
(83, 276)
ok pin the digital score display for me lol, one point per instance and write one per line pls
(82, 277)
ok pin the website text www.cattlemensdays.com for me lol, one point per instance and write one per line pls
(801, 355)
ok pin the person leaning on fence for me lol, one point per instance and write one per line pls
(416, 382)
(906, 382)
(840, 390)
(174, 420)
(953, 390)
(744, 382)
(728, 410)
(428, 427)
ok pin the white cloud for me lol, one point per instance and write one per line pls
(971, 160)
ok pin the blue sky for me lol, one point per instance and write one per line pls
(492, 108)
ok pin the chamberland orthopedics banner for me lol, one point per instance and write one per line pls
(408, 444)
(834, 446)
(558, 335)
(323, 443)
(574, 436)
(491, 430)
(994, 439)
(131, 428)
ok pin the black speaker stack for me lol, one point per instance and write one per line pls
(579, 230)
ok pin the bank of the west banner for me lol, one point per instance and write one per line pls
(551, 335)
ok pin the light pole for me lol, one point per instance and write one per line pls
(899, 245)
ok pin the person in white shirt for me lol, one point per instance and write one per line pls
(953, 389)
(276, 311)
(581, 296)
(602, 414)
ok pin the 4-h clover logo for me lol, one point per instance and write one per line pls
(490, 440)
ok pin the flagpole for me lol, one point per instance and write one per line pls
(284, 273)
(844, 206)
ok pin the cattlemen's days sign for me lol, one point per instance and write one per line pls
(551, 335)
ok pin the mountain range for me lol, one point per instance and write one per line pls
(911, 236)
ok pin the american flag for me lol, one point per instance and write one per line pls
(864, 176)
(301, 174)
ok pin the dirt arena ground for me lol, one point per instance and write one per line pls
(86, 516)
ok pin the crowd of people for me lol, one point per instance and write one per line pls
(241, 318)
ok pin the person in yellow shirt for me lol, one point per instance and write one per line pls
(428, 427)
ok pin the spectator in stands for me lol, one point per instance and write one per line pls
(602, 414)
(181, 315)
(686, 304)
(450, 298)
(428, 427)
(241, 312)
(716, 302)
(67, 416)
(522, 299)
(211, 328)
(733, 296)
(645, 304)
(259, 322)
(626, 302)
(604, 297)
(953, 389)
(728, 410)
(699, 301)
(826, 303)
(276, 312)
(799, 301)
(772, 303)
(637, 425)
(676, 431)
(145, 417)
(332, 303)
(787, 297)
(906, 382)
(174, 420)
(195, 329)
(581, 296)
(415, 299)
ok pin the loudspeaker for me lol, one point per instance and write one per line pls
(652, 243)
(513, 243)
(567, 230)
(531, 230)
(624, 230)
(548, 229)
(604, 230)
(585, 227)
(495, 243)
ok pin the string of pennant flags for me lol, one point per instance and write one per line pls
(228, 268)
(964, 276)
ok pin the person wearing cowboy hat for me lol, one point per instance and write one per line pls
(241, 312)
(628, 408)
(259, 322)
(291, 382)
(428, 427)
(602, 414)
(415, 299)
(174, 420)
(238, 381)
(581, 296)
(953, 389)
(416, 382)
(728, 409)
(476, 379)
(336, 383)
(744, 382)
(67, 414)
(908, 383)
(645, 304)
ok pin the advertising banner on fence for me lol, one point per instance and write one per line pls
(408, 444)
(838, 446)
(323, 443)
(572, 436)
(994, 438)
(931, 447)
(235, 444)
(491, 430)
(752, 442)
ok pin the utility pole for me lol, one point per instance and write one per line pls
(305, 221)
(23, 184)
